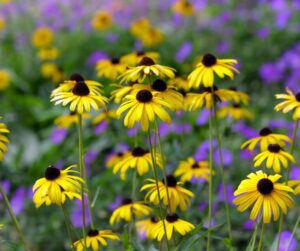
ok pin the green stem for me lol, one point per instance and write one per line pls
(68, 226)
(261, 237)
(157, 188)
(222, 172)
(14, 218)
(210, 182)
(253, 238)
(293, 233)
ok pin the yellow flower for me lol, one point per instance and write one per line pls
(295, 184)
(151, 37)
(42, 37)
(138, 27)
(94, 239)
(173, 224)
(128, 209)
(66, 120)
(235, 112)
(5, 1)
(48, 53)
(184, 7)
(56, 186)
(5, 79)
(138, 158)
(145, 227)
(239, 97)
(132, 59)
(110, 68)
(179, 196)
(204, 72)
(268, 196)
(292, 102)
(49, 70)
(115, 159)
(121, 91)
(102, 20)
(104, 116)
(3, 140)
(265, 138)
(180, 83)
(275, 157)
(80, 94)
(2, 23)
(147, 69)
(190, 169)
(143, 106)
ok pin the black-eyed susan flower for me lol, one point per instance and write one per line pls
(265, 138)
(48, 53)
(292, 102)
(110, 68)
(267, 196)
(94, 239)
(42, 37)
(204, 72)
(239, 97)
(275, 157)
(121, 91)
(138, 158)
(80, 94)
(184, 8)
(66, 120)
(235, 111)
(5, 80)
(151, 37)
(52, 71)
(173, 224)
(115, 159)
(143, 106)
(56, 184)
(3, 140)
(180, 83)
(145, 227)
(102, 20)
(147, 68)
(295, 184)
(138, 27)
(132, 59)
(107, 116)
(179, 196)
(128, 209)
(190, 170)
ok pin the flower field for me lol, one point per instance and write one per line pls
(149, 125)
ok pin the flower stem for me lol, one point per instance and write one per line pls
(67, 225)
(261, 237)
(222, 172)
(293, 233)
(14, 218)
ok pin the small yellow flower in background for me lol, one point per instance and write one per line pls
(139, 26)
(56, 186)
(266, 195)
(143, 106)
(102, 20)
(173, 224)
(138, 158)
(66, 120)
(145, 69)
(110, 68)
(292, 102)
(80, 94)
(2, 23)
(179, 196)
(50, 70)
(95, 238)
(152, 37)
(42, 37)
(107, 116)
(128, 210)
(265, 138)
(5, 80)
(274, 157)
(190, 170)
(48, 53)
(184, 8)
(235, 112)
(204, 72)
(132, 59)
(3, 140)
(118, 94)
(145, 227)
(5, 1)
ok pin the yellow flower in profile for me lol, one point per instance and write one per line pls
(128, 210)
(138, 158)
(191, 170)
(145, 227)
(94, 239)
(292, 102)
(42, 37)
(102, 20)
(48, 53)
(110, 68)
(235, 112)
(267, 196)
(118, 94)
(66, 120)
(143, 106)
(179, 196)
(115, 159)
(180, 83)
(204, 72)
(106, 115)
(239, 97)
(132, 59)
(265, 138)
(56, 186)
(147, 68)
(80, 94)
(5, 79)
(3, 140)
(152, 37)
(274, 157)
(184, 8)
(2, 23)
(295, 184)
(173, 224)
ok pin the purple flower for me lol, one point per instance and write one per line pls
(116, 203)
(112, 37)
(244, 130)
(58, 135)
(183, 128)
(18, 200)
(184, 51)
(249, 225)
(95, 57)
(247, 154)
(295, 173)
(223, 47)
(226, 154)
(6, 186)
(203, 117)
(263, 33)
(203, 150)
(284, 241)
(270, 73)
(101, 127)
(229, 191)
(76, 216)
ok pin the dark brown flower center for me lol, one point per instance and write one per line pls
(171, 181)
(209, 60)
(92, 233)
(236, 106)
(172, 217)
(76, 77)
(159, 85)
(139, 152)
(126, 201)
(153, 219)
(195, 165)
(232, 88)
(140, 53)
(203, 89)
(81, 89)
(146, 61)
(115, 60)
(265, 186)
(274, 148)
(144, 96)
(297, 96)
(52, 173)
(120, 154)
(265, 131)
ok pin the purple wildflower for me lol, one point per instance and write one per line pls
(58, 135)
